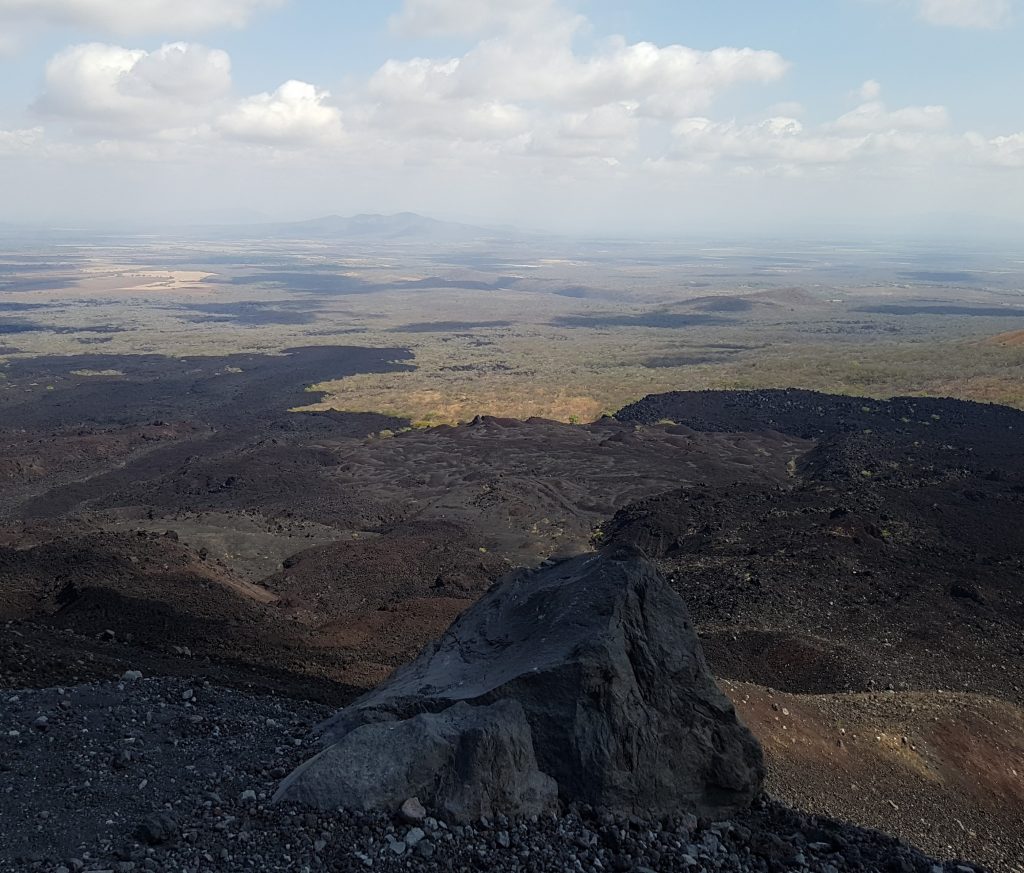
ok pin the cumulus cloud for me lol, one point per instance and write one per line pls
(180, 92)
(296, 113)
(980, 14)
(529, 91)
(525, 88)
(999, 151)
(661, 81)
(869, 133)
(130, 90)
(128, 17)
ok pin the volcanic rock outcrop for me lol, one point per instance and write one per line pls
(586, 676)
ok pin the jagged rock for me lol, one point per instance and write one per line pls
(470, 761)
(600, 654)
(158, 828)
(412, 811)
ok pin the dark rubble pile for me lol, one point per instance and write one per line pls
(288, 839)
(172, 776)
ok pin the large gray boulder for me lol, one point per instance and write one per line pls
(470, 761)
(601, 658)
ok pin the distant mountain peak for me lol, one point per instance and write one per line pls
(401, 226)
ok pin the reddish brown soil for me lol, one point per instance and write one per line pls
(1013, 338)
(945, 771)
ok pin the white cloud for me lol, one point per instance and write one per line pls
(512, 96)
(610, 121)
(474, 17)
(869, 134)
(181, 71)
(296, 113)
(609, 132)
(999, 151)
(869, 90)
(528, 60)
(773, 141)
(525, 89)
(15, 142)
(873, 116)
(533, 93)
(180, 92)
(129, 91)
(980, 14)
(125, 17)
(522, 89)
(662, 81)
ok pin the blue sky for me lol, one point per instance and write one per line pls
(571, 114)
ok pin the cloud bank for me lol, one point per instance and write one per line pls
(527, 106)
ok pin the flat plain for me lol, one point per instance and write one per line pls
(562, 329)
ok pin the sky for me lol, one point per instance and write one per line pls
(653, 117)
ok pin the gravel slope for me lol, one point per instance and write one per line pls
(173, 775)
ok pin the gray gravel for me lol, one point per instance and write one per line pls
(81, 767)
(168, 775)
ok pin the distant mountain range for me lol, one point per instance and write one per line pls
(400, 227)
